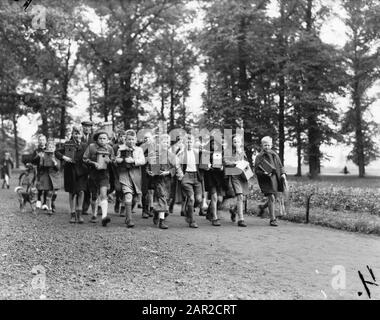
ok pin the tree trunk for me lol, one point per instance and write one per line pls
(65, 87)
(359, 136)
(15, 132)
(62, 128)
(90, 108)
(281, 83)
(2, 128)
(105, 99)
(162, 103)
(43, 109)
(299, 143)
(313, 148)
(171, 107)
(243, 79)
(281, 119)
(113, 118)
(127, 102)
(313, 130)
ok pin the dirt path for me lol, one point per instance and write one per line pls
(88, 261)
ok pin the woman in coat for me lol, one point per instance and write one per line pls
(75, 172)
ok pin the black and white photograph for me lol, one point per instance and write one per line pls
(204, 152)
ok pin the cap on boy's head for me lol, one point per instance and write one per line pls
(131, 133)
(98, 133)
(87, 123)
(266, 139)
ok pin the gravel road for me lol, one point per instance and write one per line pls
(293, 261)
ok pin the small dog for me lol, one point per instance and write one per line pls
(27, 196)
(26, 190)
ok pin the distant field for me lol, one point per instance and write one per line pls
(338, 201)
(341, 180)
(327, 171)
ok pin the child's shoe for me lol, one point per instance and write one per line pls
(241, 223)
(73, 218)
(79, 216)
(162, 224)
(233, 215)
(38, 204)
(216, 223)
(129, 223)
(94, 219)
(155, 217)
(193, 225)
(105, 221)
(273, 223)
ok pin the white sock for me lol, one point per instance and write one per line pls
(104, 206)
(162, 215)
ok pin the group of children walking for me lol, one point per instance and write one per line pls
(158, 173)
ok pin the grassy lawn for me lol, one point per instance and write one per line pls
(341, 202)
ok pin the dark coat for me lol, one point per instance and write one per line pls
(269, 184)
(75, 174)
(87, 140)
(48, 177)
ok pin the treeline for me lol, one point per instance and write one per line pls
(267, 71)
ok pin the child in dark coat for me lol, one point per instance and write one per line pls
(75, 173)
(270, 174)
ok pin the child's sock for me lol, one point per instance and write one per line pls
(128, 211)
(104, 205)
(161, 215)
(240, 210)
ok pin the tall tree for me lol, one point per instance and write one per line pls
(173, 64)
(362, 53)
